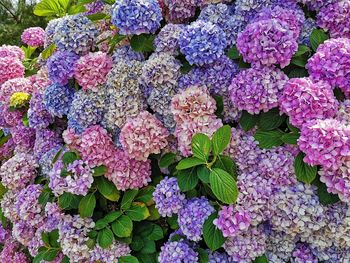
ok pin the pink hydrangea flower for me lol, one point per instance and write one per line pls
(231, 221)
(143, 135)
(14, 85)
(91, 70)
(325, 142)
(33, 36)
(304, 100)
(11, 51)
(10, 68)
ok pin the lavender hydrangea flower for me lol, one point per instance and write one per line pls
(177, 252)
(303, 253)
(267, 42)
(58, 99)
(136, 16)
(45, 140)
(198, 208)
(202, 42)
(94, 7)
(257, 89)
(110, 254)
(76, 34)
(180, 10)
(168, 197)
(38, 116)
(168, 39)
(50, 31)
(61, 66)
(127, 53)
(218, 257)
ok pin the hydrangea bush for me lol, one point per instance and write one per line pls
(177, 131)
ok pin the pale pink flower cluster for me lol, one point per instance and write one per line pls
(91, 70)
(10, 67)
(14, 85)
(143, 135)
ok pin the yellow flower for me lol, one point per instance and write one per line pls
(19, 99)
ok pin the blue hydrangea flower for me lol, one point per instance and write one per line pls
(87, 109)
(177, 252)
(135, 17)
(198, 208)
(61, 66)
(75, 34)
(308, 27)
(58, 99)
(202, 43)
(127, 53)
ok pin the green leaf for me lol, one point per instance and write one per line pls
(221, 139)
(219, 105)
(304, 172)
(149, 247)
(142, 43)
(290, 138)
(87, 205)
(53, 237)
(233, 53)
(271, 120)
(188, 163)
(50, 254)
(145, 194)
(322, 193)
(69, 201)
(261, 259)
(167, 159)
(107, 188)
(97, 16)
(156, 234)
(114, 41)
(45, 238)
(5, 139)
(203, 256)
(201, 146)
(128, 259)
(317, 37)
(112, 216)
(137, 212)
(292, 128)
(299, 61)
(203, 174)
(100, 170)
(269, 139)
(76, 9)
(65, 260)
(154, 214)
(137, 243)
(227, 164)
(128, 197)
(28, 51)
(172, 221)
(302, 49)
(49, 8)
(122, 227)
(187, 179)
(248, 121)
(212, 235)
(101, 223)
(298, 73)
(69, 157)
(105, 238)
(47, 52)
(223, 186)
(3, 190)
(84, 2)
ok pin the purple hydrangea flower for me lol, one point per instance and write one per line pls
(136, 16)
(218, 257)
(202, 42)
(76, 34)
(303, 253)
(303, 100)
(127, 53)
(198, 208)
(177, 252)
(267, 42)
(331, 63)
(45, 140)
(61, 66)
(180, 10)
(38, 116)
(23, 137)
(168, 39)
(94, 7)
(168, 197)
(58, 99)
(257, 89)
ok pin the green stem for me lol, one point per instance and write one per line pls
(209, 165)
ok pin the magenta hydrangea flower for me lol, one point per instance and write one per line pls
(76, 178)
(267, 42)
(11, 253)
(331, 63)
(19, 171)
(325, 142)
(11, 51)
(334, 18)
(23, 137)
(231, 221)
(246, 246)
(304, 100)
(198, 208)
(91, 70)
(257, 89)
(28, 207)
(10, 68)
(202, 42)
(168, 197)
(33, 36)
(127, 173)
(143, 135)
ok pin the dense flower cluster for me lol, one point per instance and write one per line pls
(99, 148)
